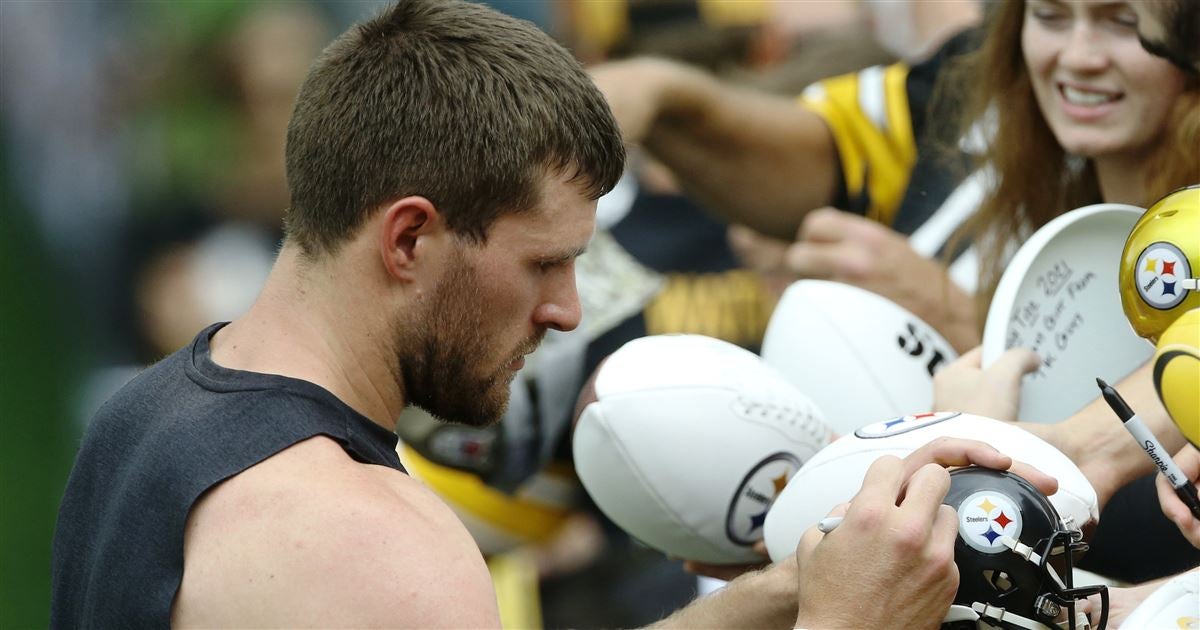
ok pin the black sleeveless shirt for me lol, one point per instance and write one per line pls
(176, 430)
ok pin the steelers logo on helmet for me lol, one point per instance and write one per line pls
(1159, 264)
(984, 517)
(903, 424)
(755, 496)
(1160, 267)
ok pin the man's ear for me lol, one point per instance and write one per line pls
(405, 222)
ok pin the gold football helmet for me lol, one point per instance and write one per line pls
(1158, 278)
(1177, 373)
(1161, 263)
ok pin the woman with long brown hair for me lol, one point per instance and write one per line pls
(1079, 113)
(1073, 111)
(1069, 109)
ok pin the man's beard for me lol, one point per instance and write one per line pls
(443, 353)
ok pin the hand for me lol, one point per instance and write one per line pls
(1188, 460)
(762, 254)
(953, 452)
(891, 562)
(882, 556)
(993, 392)
(847, 557)
(633, 89)
(845, 247)
(1121, 602)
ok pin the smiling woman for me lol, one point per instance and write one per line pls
(1082, 114)
(1102, 95)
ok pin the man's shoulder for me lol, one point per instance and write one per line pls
(311, 536)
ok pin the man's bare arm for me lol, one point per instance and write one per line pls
(759, 599)
(753, 158)
(310, 538)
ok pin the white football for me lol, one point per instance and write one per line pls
(688, 442)
(858, 356)
(1172, 605)
(835, 474)
(1060, 297)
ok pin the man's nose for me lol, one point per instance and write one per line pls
(560, 310)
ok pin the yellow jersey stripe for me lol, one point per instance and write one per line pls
(467, 492)
(868, 115)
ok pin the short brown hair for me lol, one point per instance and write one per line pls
(448, 100)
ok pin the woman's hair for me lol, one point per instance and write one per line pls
(1035, 180)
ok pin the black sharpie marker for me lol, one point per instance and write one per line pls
(1183, 488)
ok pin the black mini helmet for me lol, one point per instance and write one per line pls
(1008, 535)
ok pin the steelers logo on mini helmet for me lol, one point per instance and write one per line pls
(1160, 263)
(986, 516)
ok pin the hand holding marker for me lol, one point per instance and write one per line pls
(1179, 481)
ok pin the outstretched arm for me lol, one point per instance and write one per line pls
(753, 158)
(759, 599)
(1095, 439)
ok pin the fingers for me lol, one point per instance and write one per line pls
(1173, 508)
(814, 261)
(971, 359)
(826, 225)
(1045, 483)
(924, 493)
(1188, 460)
(943, 535)
(1017, 361)
(882, 483)
(945, 525)
(756, 251)
(946, 452)
(825, 261)
(825, 247)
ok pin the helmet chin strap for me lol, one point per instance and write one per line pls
(984, 611)
(1027, 552)
(994, 614)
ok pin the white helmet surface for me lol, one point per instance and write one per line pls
(688, 442)
(857, 355)
(835, 474)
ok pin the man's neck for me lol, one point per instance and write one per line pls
(307, 325)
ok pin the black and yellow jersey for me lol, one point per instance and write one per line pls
(879, 118)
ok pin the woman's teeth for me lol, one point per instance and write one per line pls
(1085, 97)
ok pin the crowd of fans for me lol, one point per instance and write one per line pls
(143, 169)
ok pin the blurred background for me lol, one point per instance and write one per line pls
(141, 172)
